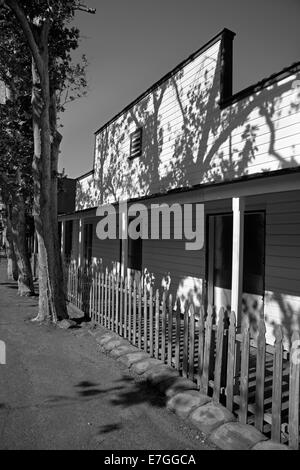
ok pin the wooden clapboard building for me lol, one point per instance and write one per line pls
(188, 139)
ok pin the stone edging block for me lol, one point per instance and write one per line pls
(269, 445)
(185, 402)
(180, 384)
(160, 374)
(236, 436)
(131, 358)
(209, 417)
(102, 339)
(122, 350)
(110, 345)
(142, 366)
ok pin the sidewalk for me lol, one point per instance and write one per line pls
(58, 392)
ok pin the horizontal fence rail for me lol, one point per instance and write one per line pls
(259, 383)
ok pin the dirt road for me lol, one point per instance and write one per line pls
(58, 392)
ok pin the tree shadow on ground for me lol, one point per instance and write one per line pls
(80, 320)
(86, 383)
(127, 392)
(139, 392)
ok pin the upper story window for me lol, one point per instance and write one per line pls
(136, 143)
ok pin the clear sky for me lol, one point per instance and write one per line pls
(130, 44)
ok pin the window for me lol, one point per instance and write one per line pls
(136, 143)
(88, 242)
(254, 252)
(223, 251)
(135, 254)
(68, 238)
(134, 260)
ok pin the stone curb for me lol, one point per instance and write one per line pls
(183, 398)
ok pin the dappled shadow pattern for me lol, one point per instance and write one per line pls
(209, 144)
(127, 392)
(138, 393)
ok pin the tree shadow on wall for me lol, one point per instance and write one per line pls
(212, 145)
(204, 149)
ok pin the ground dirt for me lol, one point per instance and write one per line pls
(58, 391)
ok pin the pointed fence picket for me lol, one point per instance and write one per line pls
(202, 346)
(294, 393)
(157, 324)
(207, 350)
(177, 334)
(231, 361)
(163, 328)
(244, 385)
(277, 385)
(219, 356)
(170, 330)
(191, 341)
(151, 321)
(260, 375)
(185, 341)
(145, 320)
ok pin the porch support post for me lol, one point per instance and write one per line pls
(80, 242)
(238, 207)
(124, 237)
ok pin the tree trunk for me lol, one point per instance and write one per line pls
(12, 267)
(43, 309)
(18, 223)
(56, 141)
(44, 199)
(45, 203)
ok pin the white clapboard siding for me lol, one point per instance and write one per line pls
(256, 134)
(282, 270)
(106, 251)
(172, 267)
(113, 144)
(168, 261)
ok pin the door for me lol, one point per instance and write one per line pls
(220, 231)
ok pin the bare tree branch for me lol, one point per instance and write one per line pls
(82, 7)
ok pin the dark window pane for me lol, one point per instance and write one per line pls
(88, 241)
(223, 251)
(254, 253)
(135, 254)
(68, 237)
